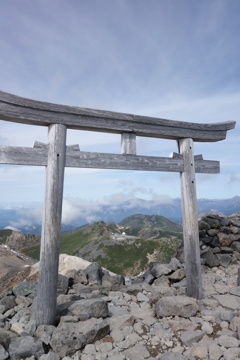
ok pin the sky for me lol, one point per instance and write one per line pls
(172, 59)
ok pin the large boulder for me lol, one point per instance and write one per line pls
(87, 308)
(24, 347)
(70, 337)
(176, 306)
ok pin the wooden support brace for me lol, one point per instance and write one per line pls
(128, 143)
(50, 239)
(190, 220)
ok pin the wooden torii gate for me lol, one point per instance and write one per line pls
(55, 156)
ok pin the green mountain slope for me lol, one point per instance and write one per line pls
(124, 248)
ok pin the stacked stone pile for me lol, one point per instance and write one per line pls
(219, 239)
(101, 318)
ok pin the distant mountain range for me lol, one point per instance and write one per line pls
(124, 248)
(117, 212)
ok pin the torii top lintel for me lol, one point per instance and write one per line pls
(21, 110)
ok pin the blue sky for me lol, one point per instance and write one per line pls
(171, 59)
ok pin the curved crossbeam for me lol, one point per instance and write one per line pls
(27, 111)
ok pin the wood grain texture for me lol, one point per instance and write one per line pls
(92, 160)
(128, 143)
(27, 111)
(50, 238)
(190, 221)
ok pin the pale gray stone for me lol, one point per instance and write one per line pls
(50, 356)
(23, 301)
(117, 335)
(142, 297)
(120, 321)
(174, 264)
(44, 333)
(214, 351)
(117, 311)
(127, 330)
(176, 306)
(169, 355)
(129, 341)
(117, 357)
(231, 354)
(137, 352)
(25, 346)
(235, 324)
(228, 341)
(90, 349)
(178, 275)
(104, 347)
(199, 351)
(229, 301)
(235, 291)
(207, 327)
(189, 337)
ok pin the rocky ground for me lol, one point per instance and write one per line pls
(99, 317)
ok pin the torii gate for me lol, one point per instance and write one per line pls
(55, 156)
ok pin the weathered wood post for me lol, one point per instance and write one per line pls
(128, 143)
(190, 220)
(50, 240)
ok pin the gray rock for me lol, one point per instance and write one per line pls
(199, 351)
(50, 356)
(121, 321)
(94, 274)
(231, 354)
(25, 288)
(112, 281)
(25, 346)
(86, 308)
(228, 341)
(23, 301)
(228, 301)
(214, 351)
(81, 277)
(178, 275)
(67, 338)
(63, 284)
(148, 277)
(3, 353)
(235, 324)
(117, 335)
(157, 269)
(176, 306)
(130, 340)
(44, 333)
(172, 356)
(210, 259)
(224, 259)
(235, 291)
(6, 336)
(181, 283)
(8, 302)
(141, 297)
(190, 337)
(137, 352)
(174, 264)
